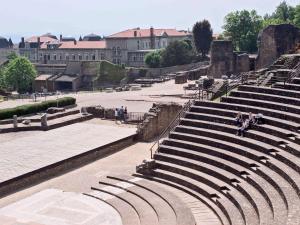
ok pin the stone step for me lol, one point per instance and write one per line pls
(296, 80)
(269, 90)
(290, 118)
(228, 117)
(222, 201)
(181, 211)
(283, 146)
(127, 212)
(262, 104)
(287, 86)
(267, 198)
(261, 152)
(165, 213)
(146, 212)
(282, 186)
(187, 194)
(243, 195)
(266, 97)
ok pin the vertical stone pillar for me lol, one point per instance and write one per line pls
(44, 123)
(15, 121)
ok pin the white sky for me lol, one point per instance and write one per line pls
(79, 17)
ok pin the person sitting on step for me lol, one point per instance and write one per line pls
(252, 119)
(241, 130)
(239, 119)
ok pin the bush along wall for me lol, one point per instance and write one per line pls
(35, 108)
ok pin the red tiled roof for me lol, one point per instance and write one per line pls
(146, 33)
(78, 45)
(83, 44)
(43, 39)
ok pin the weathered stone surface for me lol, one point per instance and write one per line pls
(158, 119)
(221, 58)
(274, 41)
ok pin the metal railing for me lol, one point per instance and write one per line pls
(294, 73)
(186, 107)
(135, 116)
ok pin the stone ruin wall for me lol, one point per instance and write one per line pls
(157, 120)
(274, 41)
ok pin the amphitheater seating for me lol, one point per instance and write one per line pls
(140, 202)
(244, 180)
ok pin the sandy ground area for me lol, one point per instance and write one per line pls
(136, 101)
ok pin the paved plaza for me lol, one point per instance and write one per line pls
(136, 101)
(21, 155)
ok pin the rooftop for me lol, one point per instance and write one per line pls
(137, 32)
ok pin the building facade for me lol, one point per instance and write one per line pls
(128, 47)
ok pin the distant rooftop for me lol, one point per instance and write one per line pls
(137, 32)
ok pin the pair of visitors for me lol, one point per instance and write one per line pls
(121, 114)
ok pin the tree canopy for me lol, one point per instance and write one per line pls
(153, 59)
(176, 53)
(202, 33)
(242, 27)
(19, 74)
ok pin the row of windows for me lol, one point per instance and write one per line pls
(147, 44)
(73, 57)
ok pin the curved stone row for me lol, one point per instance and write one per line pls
(246, 180)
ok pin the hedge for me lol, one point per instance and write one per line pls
(35, 108)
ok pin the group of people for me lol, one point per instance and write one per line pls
(245, 124)
(121, 114)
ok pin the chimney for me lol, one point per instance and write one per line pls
(75, 42)
(135, 33)
(22, 39)
(152, 38)
(60, 37)
(39, 42)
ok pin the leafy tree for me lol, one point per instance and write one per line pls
(177, 53)
(20, 74)
(297, 16)
(202, 33)
(242, 27)
(12, 56)
(2, 79)
(284, 12)
(152, 59)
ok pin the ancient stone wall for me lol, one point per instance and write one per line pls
(221, 59)
(275, 40)
(242, 63)
(157, 120)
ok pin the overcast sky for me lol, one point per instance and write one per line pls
(79, 17)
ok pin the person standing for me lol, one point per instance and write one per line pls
(116, 114)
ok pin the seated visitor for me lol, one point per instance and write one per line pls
(241, 130)
(259, 118)
(239, 119)
(252, 119)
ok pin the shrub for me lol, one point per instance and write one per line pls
(35, 108)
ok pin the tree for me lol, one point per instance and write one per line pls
(12, 56)
(297, 16)
(152, 59)
(242, 27)
(284, 13)
(202, 33)
(20, 74)
(177, 53)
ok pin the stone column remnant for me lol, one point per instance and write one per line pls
(15, 121)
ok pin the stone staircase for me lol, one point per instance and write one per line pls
(242, 180)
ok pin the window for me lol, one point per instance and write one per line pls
(93, 57)
(67, 57)
(73, 57)
(86, 57)
(80, 57)
(54, 57)
(60, 57)
(102, 56)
